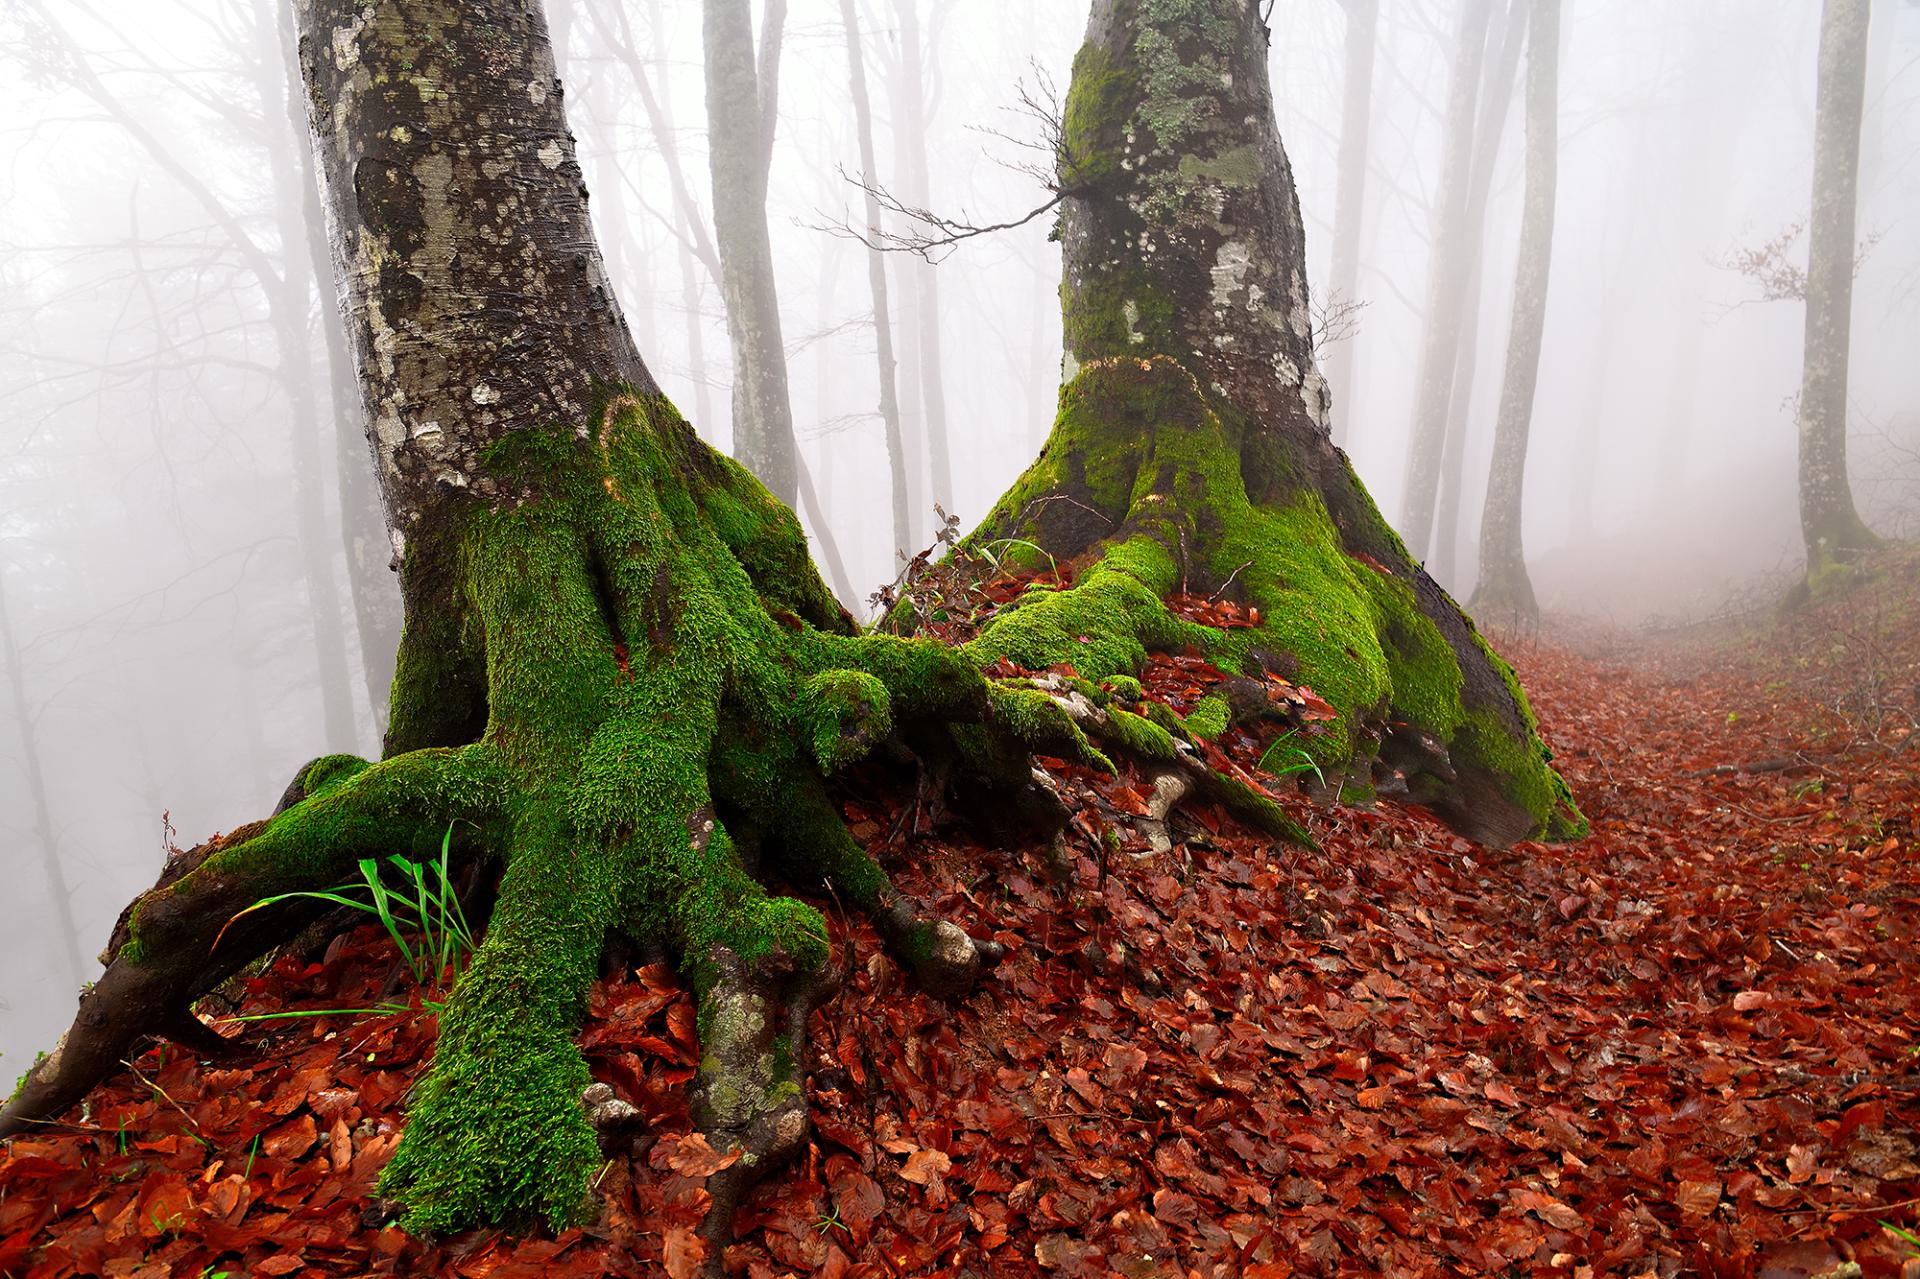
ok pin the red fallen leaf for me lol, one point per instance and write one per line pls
(1801, 1162)
(1374, 1098)
(923, 1166)
(1697, 1198)
(163, 1204)
(1572, 905)
(682, 1252)
(691, 1156)
(1500, 1092)
(291, 1139)
(1561, 1216)
(284, 1264)
(859, 1200)
(1748, 1000)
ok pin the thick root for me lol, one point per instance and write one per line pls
(188, 934)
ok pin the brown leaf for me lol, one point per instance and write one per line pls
(682, 1252)
(923, 1166)
(1697, 1198)
(691, 1156)
(291, 1139)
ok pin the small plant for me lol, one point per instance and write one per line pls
(423, 918)
(1284, 760)
(831, 1218)
(1909, 1240)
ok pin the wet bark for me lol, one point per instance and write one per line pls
(1446, 281)
(1349, 202)
(737, 109)
(1504, 587)
(1829, 523)
(877, 285)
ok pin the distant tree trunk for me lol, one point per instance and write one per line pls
(736, 143)
(371, 583)
(1447, 264)
(916, 188)
(1349, 202)
(1488, 133)
(1504, 587)
(59, 895)
(877, 285)
(1831, 526)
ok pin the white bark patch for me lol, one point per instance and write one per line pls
(536, 92)
(1229, 271)
(484, 394)
(550, 154)
(400, 133)
(1132, 311)
(346, 43)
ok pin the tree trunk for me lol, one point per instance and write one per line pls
(1192, 453)
(1504, 587)
(917, 191)
(58, 893)
(371, 583)
(736, 144)
(1488, 132)
(1832, 528)
(877, 285)
(1446, 280)
(1349, 202)
(620, 678)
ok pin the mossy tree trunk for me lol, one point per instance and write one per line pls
(621, 680)
(1192, 453)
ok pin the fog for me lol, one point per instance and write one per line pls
(177, 603)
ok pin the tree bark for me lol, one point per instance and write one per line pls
(1349, 202)
(1192, 452)
(737, 141)
(1504, 587)
(877, 285)
(371, 584)
(1832, 528)
(1446, 280)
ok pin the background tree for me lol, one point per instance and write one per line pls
(1349, 207)
(1504, 587)
(1446, 280)
(1832, 528)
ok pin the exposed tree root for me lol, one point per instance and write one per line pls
(624, 684)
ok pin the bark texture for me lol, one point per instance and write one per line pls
(1192, 451)
(1504, 587)
(1829, 523)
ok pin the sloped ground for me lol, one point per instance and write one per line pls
(1686, 1045)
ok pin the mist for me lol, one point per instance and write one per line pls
(193, 598)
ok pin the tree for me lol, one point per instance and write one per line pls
(903, 541)
(741, 108)
(622, 680)
(1832, 528)
(1446, 282)
(1356, 109)
(1504, 586)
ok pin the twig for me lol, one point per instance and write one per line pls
(160, 1092)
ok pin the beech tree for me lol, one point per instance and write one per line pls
(1504, 586)
(622, 682)
(1831, 526)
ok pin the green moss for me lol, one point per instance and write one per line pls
(1209, 719)
(1139, 736)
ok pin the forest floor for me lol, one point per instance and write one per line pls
(1685, 1045)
